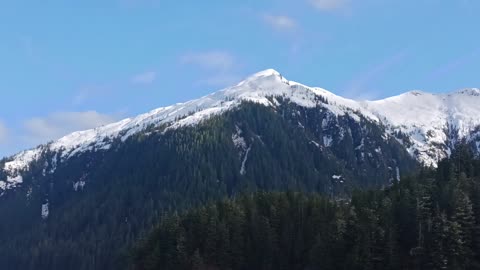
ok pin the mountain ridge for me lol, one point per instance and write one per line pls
(264, 134)
(432, 123)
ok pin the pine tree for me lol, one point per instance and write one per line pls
(439, 257)
(197, 261)
(463, 216)
(476, 228)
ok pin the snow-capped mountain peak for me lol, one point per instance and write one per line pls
(265, 73)
(430, 121)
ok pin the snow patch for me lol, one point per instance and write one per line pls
(361, 145)
(79, 185)
(11, 182)
(338, 178)
(243, 170)
(15, 180)
(327, 141)
(54, 164)
(29, 193)
(45, 211)
(324, 123)
(238, 140)
(315, 143)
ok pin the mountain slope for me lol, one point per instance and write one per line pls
(79, 202)
(433, 123)
(95, 205)
(429, 124)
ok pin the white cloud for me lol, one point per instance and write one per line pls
(209, 60)
(218, 68)
(3, 133)
(280, 22)
(43, 129)
(92, 91)
(330, 5)
(144, 78)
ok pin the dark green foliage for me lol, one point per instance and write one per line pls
(130, 187)
(429, 221)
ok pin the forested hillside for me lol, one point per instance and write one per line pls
(429, 221)
(89, 213)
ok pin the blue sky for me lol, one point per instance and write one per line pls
(71, 65)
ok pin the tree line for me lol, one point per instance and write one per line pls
(427, 221)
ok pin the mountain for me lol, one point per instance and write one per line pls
(429, 124)
(80, 201)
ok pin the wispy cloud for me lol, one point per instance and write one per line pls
(453, 66)
(218, 68)
(329, 5)
(361, 87)
(287, 29)
(144, 78)
(280, 22)
(42, 129)
(3, 133)
(105, 89)
(89, 92)
(209, 60)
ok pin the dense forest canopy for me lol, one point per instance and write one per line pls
(101, 202)
(428, 221)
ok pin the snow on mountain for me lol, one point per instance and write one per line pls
(428, 120)
(433, 122)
